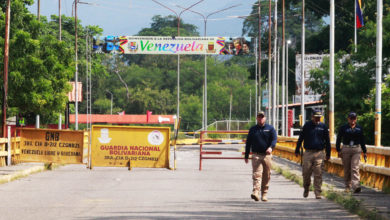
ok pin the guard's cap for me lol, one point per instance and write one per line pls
(352, 115)
(260, 113)
(317, 113)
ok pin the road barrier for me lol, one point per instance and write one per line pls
(205, 140)
(15, 150)
(374, 173)
(130, 146)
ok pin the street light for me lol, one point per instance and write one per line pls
(178, 56)
(204, 113)
(111, 99)
(286, 112)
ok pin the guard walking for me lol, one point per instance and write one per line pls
(315, 135)
(352, 137)
(261, 141)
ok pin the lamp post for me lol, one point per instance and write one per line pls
(286, 121)
(205, 17)
(76, 72)
(178, 56)
(269, 61)
(5, 73)
(111, 100)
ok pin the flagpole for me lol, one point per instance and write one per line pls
(355, 31)
(274, 122)
(378, 99)
(331, 72)
(283, 72)
(303, 66)
(269, 63)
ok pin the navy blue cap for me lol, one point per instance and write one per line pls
(352, 115)
(317, 113)
(260, 113)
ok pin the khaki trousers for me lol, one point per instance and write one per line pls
(261, 164)
(351, 158)
(313, 163)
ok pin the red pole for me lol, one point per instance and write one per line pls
(200, 150)
(5, 74)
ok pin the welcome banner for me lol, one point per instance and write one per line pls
(171, 45)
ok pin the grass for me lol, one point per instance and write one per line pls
(349, 202)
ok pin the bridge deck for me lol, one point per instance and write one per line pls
(220, 191)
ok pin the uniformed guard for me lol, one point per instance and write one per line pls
(315, 135)
(352, 137)
(261, 141)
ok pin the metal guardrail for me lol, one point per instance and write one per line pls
(374, 173)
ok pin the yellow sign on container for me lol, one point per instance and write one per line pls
(130, 146)
(51, 146)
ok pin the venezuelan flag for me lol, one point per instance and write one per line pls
(359, 14)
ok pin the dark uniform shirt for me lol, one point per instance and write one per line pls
(315, 137)
(260, 139)
(351, 136)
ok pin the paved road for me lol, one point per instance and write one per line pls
(221, 191)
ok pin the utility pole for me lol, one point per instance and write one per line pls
(39, 10)
(269, 62)
(59, 19)
(5, 74)
(256, 78)
(259, 57)
(378, 98)
(178, 56)
(274, 107)
(287, 43)
(303, 66)
(205, 18)
(331, 72)
(283, 72)
(76, 72)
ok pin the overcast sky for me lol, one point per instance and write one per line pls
(128, 17)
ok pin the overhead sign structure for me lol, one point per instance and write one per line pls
(130, 146)
(51, 146)
(172, 45)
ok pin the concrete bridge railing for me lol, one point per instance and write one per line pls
(375, 173)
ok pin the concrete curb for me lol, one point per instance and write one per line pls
(368, 201)
(20, 173)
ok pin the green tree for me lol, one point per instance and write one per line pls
(39, 64)
(355, 80)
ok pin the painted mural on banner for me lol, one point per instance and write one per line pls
(130, 146)
(51, 146)
(172, 45)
